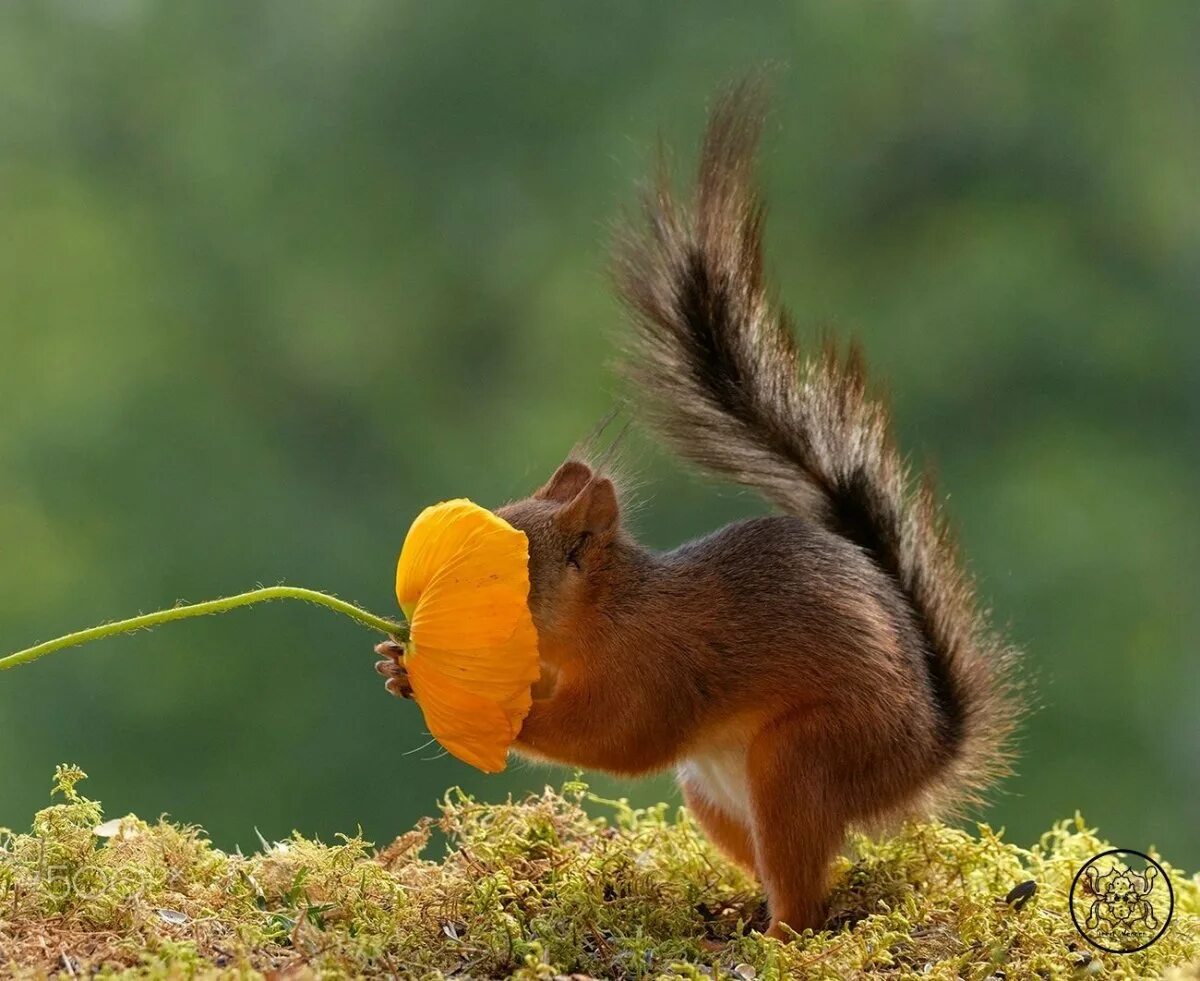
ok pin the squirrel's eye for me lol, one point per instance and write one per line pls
(576, 550)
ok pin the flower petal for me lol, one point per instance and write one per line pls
(473, 728)
(463, 581)
(497, 673)
(434, 538)
(462, 574)
(480, 597)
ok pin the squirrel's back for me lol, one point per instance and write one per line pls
(731, 391)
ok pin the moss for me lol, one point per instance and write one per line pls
(559, 883)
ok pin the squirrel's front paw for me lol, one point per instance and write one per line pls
(393, 668)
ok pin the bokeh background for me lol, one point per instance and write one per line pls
(274, 276)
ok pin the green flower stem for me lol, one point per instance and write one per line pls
(148, 620)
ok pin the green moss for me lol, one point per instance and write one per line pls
(558, 883)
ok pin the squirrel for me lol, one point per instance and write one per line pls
(803, 673)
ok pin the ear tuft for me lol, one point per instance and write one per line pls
(594, 510)
(567, 482)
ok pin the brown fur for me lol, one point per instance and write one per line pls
(803, 672)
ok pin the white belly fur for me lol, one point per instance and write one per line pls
(718, 774)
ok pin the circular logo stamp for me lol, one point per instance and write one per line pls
(1121, 901)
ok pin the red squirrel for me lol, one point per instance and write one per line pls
(802, 673)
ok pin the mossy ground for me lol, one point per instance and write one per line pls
(535, 889)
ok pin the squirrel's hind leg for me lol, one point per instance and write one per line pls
(800, 818)
(730, 835)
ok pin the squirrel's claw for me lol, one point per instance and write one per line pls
(399, 687)
(393, 668)
(397, 678)
(390, 648)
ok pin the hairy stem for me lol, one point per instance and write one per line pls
(148, 620)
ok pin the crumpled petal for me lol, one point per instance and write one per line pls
(476, 729)
(463, 582)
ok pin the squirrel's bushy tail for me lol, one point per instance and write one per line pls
(729, 388)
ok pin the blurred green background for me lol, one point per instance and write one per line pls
(276, 275)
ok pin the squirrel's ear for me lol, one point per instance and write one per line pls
(594, 510)
(567, 482)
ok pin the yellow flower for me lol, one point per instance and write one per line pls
(463, 583)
